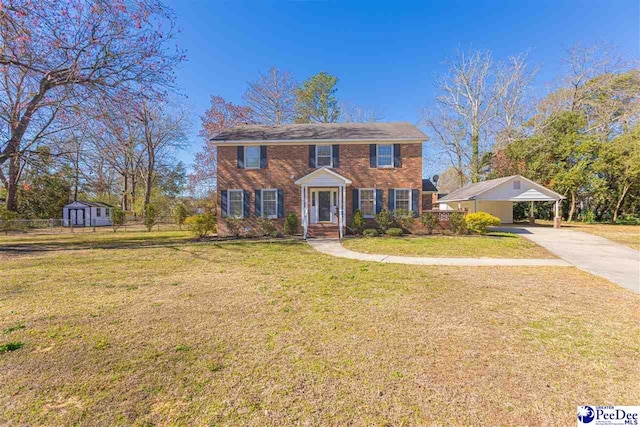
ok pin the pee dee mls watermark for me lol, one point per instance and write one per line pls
(608, 416)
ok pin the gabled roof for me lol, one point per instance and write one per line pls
(472, 191)
(318, 174)
(319, 132)
(427, 185)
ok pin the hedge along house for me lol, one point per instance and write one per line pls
(497, 196)
(87, 214)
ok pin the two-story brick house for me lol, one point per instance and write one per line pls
(322, 172)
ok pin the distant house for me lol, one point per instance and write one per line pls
(497, 196)
(87, 214)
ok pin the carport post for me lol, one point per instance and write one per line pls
(532, 219)
(557, 220)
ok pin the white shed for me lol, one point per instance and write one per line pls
(496, 196)
(87, 214)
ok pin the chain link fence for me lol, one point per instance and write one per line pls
(59, 226)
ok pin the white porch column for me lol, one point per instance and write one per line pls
(557, 220)
(532, 219)
(304, 211)
(344, 210)
(340, 214)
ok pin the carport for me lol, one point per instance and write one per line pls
(496, 196)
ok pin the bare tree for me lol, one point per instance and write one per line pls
(352, 113)
(452, 138)
(55, 54)
(164, 130)
(272, 97)
(479, 93)
(116, 136)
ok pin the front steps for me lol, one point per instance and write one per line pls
(323, 230)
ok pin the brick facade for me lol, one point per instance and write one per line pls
(287, 163)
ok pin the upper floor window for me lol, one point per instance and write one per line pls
(367, 202)
(269, 206)
(516, 185)
(324, 156)
(403, 199)
(235, 204)
(252, 157)
(385, 155)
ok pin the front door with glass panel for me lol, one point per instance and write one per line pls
(323, 205)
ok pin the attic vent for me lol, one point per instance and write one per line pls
(516, 185)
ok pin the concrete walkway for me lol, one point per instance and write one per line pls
(334, 248)
(594, 254)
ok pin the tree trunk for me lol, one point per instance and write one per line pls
(572, 209)
(475, 156)
(125, 191)
(134, 185)
(77, 173)
(149, 177)
(620, 200)
(12, 183)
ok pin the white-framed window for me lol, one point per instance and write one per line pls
(367, 202)
(98, 212)
(324, 156)
(252, 157)
(269, 200)
(235, 203)
(106, 211)
(384, 155)
(403, 199)
(516, 185)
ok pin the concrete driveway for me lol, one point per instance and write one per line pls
(594, 254)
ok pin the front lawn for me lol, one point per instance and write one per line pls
(246, 333)
(628, 235)
(493, 245)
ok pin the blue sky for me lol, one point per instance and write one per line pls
(386, 54)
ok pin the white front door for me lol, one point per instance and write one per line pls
(324, 202)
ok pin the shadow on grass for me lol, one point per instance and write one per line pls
(132, 243)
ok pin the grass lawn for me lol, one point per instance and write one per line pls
(163, 331)
(493, 245)
(628, 235)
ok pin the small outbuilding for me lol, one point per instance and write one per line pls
(87, 214)
(496, 197)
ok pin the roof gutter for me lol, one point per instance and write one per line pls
(225, 142)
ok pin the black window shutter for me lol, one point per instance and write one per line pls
(397, 156)
(379, 205)
(392, 200)
(415, 198)
(373, 154)
(312, 156)
(240, 157)
(335, 154)
(355, 199)
(246, 207)
(223, 203)
(263, 156)
(280, 203)
(258, 203)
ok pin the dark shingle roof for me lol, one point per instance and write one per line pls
(94, 204)
(323, 131)
(427, 185)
